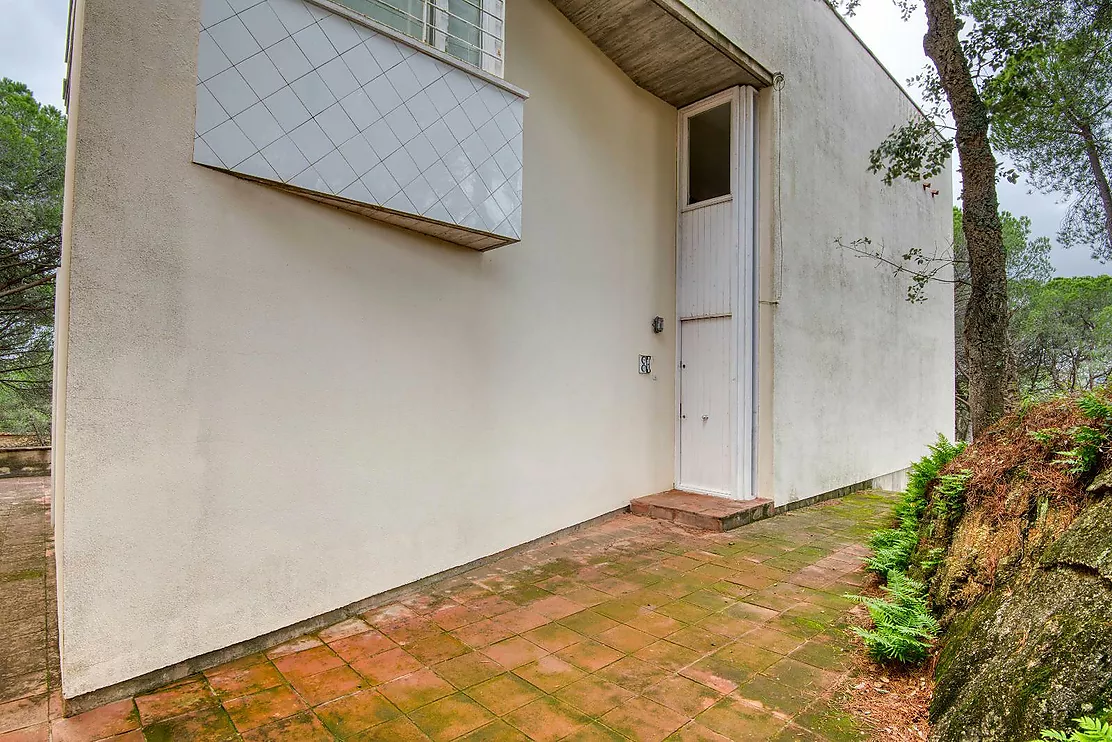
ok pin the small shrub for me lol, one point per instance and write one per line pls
(892, 550)
(1089, 443)
(893, 547)
(904, 627)
(1095, 406)
(1088, 730)
(1046, 436)
(949, 494)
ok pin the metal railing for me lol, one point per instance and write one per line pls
(470, 30)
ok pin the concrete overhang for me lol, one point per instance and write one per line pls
(665, 47)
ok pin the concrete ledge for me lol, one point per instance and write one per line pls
(894, 481)
(150, 681)
(25, 461)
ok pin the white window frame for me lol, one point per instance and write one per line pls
(434, 29)
(726, 98)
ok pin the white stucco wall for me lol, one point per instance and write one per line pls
(274, 408)
(860, 379)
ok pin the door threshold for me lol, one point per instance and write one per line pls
(705, 512)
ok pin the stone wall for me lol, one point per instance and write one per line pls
(27, 461)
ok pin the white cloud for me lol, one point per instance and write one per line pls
(33, 45)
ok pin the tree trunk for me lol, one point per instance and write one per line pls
(986, 314)
(1101, 179)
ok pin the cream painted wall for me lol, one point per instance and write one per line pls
(860, 379)
(275, 408)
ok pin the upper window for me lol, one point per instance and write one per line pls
(708, 154)
(469, 30)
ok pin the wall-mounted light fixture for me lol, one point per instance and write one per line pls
(658, 325)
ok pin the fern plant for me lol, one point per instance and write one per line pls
(893, 547)
(924, 471)
(930, 562)
(1088, 729)
(904, 628)
(1045, 436)
(1095, 406)
(903, 625)
(1089, 443)
(949, 494)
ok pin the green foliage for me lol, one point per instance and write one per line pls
(892, 547)
(1051, 115)
(1089, 443)
(1045, 436)
(1086, 452)
(912, 151)
(1043, 70)
(933, 558)
(1030, 401)
(1061, 333)
(903, 625)
(924, 471)
(1027, 263)
(24, 416)
(1089, 729)
(32, 174)
(949, 494)
(1095, 406)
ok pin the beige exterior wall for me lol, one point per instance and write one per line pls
(854, 380)
(274, 408)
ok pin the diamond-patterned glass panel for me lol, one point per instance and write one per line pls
(290, 92)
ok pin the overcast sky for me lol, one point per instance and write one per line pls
(33, 38)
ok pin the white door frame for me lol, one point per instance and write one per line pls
(744, 190)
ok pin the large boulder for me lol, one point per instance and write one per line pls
(1035, 651)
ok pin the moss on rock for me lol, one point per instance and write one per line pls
(1036, 651)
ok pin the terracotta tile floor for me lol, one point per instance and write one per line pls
(631, 630)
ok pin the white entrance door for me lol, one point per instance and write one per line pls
(706, 425)
(715, 296)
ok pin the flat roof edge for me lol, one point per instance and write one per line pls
(715, 38)
(884, 68)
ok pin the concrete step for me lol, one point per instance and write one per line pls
(702, 511)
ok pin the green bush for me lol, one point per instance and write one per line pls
(1089, 442)
(904, 627)
(1095, 406)
(893, 547)
(1088, 730)
(1085, 455)
(949, 494)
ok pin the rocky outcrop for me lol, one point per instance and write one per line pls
(1035, 651)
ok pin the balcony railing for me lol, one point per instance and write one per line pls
(469, 30)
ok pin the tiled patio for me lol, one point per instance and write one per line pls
(635, 629)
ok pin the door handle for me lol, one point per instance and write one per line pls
(706, 417)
